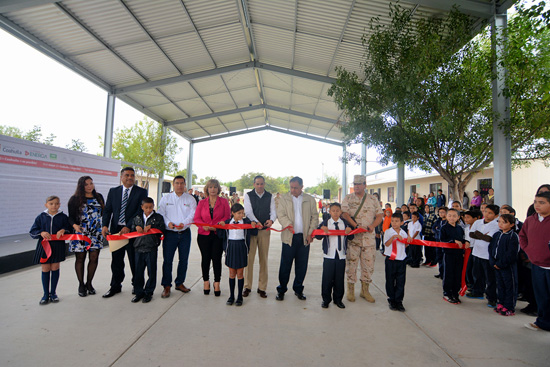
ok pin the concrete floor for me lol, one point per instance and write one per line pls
(194, 329)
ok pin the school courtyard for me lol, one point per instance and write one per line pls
(197, 330)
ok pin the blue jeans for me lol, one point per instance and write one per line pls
(172, 241)
(146, 260)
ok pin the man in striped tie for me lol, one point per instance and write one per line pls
(123, 203)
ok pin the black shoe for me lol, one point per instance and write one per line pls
(82, 292)
(340, 304)
(239, 302)
(54, 298)
(300, 296)
(530, 310)
(147, 298)
(111, 292)
(324, 304)
(45, 300)
(437, 276)
(399, 307)
(90, 289)
(415, 265)
(137, 298)
(392, 305)
(230, 301)
(217, 293)
(280, 296)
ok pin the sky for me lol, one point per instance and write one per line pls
(37, 90)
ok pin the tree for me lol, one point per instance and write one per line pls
(142, 144)
(77, 145)
(35, 134)
(183, 172)
(331, 183)
(273, 185)
(426, 96)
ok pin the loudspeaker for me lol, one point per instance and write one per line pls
(232, 189)
(166, 187)
(326, 194)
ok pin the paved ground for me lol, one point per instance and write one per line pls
(194, 329)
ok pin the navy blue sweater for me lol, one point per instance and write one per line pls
(51, 224)
(450, 234)
(503, 249)
(326, 238)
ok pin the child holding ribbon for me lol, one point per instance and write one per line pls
(50, 222)
(453, 258)
(396, 266)
(236, 244)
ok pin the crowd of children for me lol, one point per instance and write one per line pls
(500, 243)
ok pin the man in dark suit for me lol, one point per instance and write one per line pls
(123, 203)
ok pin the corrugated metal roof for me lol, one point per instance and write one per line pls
(189, 62)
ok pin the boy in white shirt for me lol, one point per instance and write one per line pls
(395, 269)
(414, 229)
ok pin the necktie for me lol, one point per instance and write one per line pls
(339, 237)
(122, 217)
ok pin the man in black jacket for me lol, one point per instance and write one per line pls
(123, 204)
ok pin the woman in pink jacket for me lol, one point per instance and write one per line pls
(211, 210)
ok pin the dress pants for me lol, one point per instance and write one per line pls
(452, 272)
(172, 241)
(541, 286)
(332, 282)
(439, 257)
(261, 243)
(415, 254)
(299, 253)
(396, 271)
(146, 260)
(430, 252)
(484, 279)
(507, 286)
(211, 252)
(117, 263)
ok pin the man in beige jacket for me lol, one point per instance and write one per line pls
(298, 211)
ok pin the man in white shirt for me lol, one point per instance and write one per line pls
(178, 210)
(259, 206)
(298, 211)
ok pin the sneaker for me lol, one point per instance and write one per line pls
(426, 264)
(491, 304)
(532, 326)
(450, 300)
(474, 295)
(457, 300)
(432, 265)
(499, 308)
(507, 312)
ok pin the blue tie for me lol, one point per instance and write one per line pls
(122, 217)
(339, 237)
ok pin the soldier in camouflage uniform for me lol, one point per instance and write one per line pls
(363, 247)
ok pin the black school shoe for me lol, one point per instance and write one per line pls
(230, 301)
(399, 307)
(147, 298)
(392, 305)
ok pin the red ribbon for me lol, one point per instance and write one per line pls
(237, 226)
(66, 237)
(128, 236)
(451, 245)
(337, 232)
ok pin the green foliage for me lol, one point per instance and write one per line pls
(142, 144)
(35, 134)
(183, 172)
(425, 98)
(77, 145)
(331, 183)
(272, 184)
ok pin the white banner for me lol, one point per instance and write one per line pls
(30, 172)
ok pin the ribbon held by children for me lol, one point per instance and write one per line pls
(118, 241)
(337, 232)
(66, 237)
(451, 245)
(237, 226)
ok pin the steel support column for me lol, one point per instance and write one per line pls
(400, 195)
(502, 155)
(344, 172)
(189, 178)
(109, 126)
(363, 159)
(161, 173)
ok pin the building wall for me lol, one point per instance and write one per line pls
(525, 182)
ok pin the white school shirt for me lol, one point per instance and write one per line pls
(250, 212)
(177, 209)
(145, 217)
(401, 254)
(481, 248)
(235, 234)
(414, 227)
(333, 241)
(467, 234)
(298, 222)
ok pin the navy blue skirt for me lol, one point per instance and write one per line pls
(236, 254)
(58, 252)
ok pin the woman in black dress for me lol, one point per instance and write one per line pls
(85, 211)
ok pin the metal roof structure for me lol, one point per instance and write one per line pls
(209, 69)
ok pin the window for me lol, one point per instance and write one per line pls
(391, 194)
(413, 189)
(435, 187)
(483, 185)
(371, 191)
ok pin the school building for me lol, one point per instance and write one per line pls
(525, 181)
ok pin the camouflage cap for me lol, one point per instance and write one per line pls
(359, 179)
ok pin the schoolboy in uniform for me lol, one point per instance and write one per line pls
(395, 269)
(334, 259)
(415, 251)
(146, 248)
